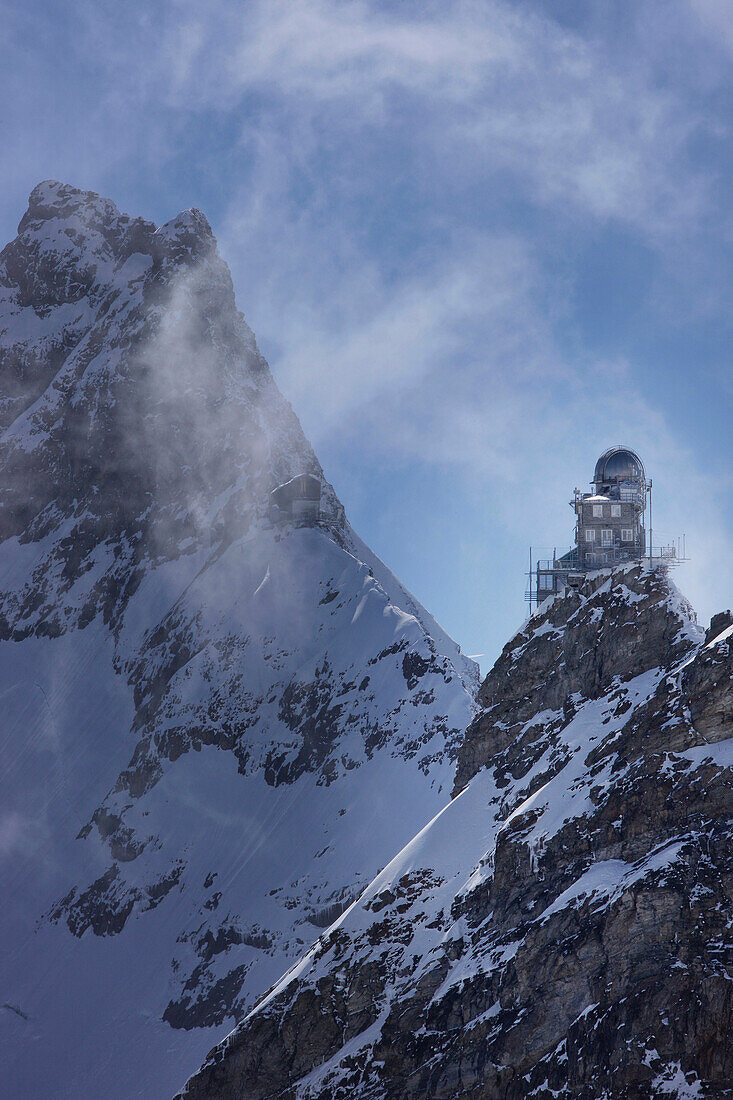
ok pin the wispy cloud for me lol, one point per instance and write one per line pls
(715, 18)
(474, 88)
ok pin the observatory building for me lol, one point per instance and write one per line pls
(610, 526)
(299, 503)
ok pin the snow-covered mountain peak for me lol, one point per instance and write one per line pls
(141, 418)
(218, 727)
(69, 243)
(53, 199)
(187, 235)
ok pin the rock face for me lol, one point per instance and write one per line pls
(216, 729)
(558, 667)
(562, 927)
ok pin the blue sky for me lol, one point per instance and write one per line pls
(478, 243)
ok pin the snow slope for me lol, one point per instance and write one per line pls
(216, 730)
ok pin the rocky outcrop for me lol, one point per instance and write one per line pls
(561, 929)
(563, 655)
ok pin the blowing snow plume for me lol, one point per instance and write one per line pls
(217, 728)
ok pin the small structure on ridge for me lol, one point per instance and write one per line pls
(298, 500)
(610, 527)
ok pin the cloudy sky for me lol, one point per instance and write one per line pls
(478, 242)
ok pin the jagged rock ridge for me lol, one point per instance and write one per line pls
(209, 719)
(562, 928)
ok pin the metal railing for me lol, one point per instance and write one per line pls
(607, 555)
(604, 558)
(556, 566)
(633, 496)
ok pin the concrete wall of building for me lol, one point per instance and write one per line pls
(607, 540)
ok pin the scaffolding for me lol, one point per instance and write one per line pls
(550, 576)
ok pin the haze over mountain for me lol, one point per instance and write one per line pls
(217, 729)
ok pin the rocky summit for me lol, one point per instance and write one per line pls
(217, 726)
(562, 928)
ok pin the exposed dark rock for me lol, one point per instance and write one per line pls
(574, 646)
(413, 667)
(718, 624)
(323, 918)
(205, 1005)
(104, 906)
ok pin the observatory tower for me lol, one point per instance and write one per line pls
(609, 529)
(610, 525)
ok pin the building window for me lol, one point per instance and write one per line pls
(590, 534)
(597, 511)
(627, 534)
(607, 537)
(615, 510)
